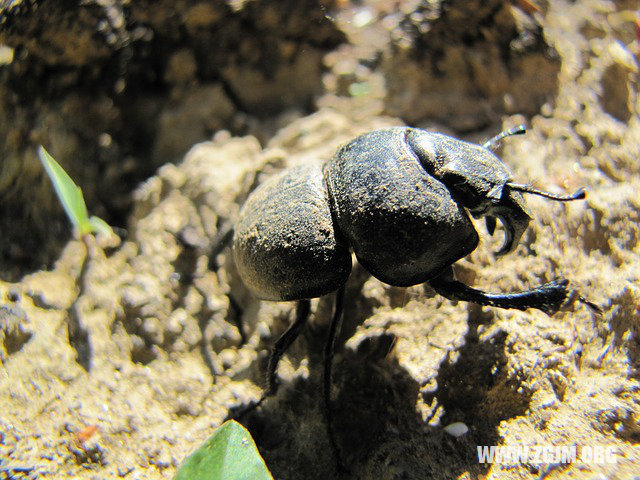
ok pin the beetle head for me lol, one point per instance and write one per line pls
(479, 181)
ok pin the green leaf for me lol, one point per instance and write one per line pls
(229, 454)
(100, 226)
(71, 198)
(359, 89)
(68, 192)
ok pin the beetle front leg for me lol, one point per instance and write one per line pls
(548, 297)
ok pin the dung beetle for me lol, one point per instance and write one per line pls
(400, 199)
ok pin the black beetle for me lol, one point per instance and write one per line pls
(398, 198)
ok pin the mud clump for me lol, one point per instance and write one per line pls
(468, 63)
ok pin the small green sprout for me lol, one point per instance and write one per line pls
(71, 198)
(229, 454)
(359, 89)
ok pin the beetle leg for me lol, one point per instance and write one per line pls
(283, 344)
(220, 242)
(334, 331)
(548, 297)
(277, 351)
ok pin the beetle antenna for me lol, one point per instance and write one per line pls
(577, 195)
(492, 143)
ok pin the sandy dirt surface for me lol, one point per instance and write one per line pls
(121, 358)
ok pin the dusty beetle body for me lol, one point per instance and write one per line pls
(400, 199)
(285, 243)
(397, 197)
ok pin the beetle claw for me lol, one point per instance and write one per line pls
(490, 223)
(509, 243)
(513, 215)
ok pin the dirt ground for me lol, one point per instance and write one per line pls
(121, 358)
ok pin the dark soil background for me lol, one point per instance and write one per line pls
(119, 357)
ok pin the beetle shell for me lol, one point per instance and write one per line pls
(403, 225)
(285, 245)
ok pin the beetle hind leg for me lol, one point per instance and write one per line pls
(279, 348)
(334, 331)
(282, 345)
(548, 297)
